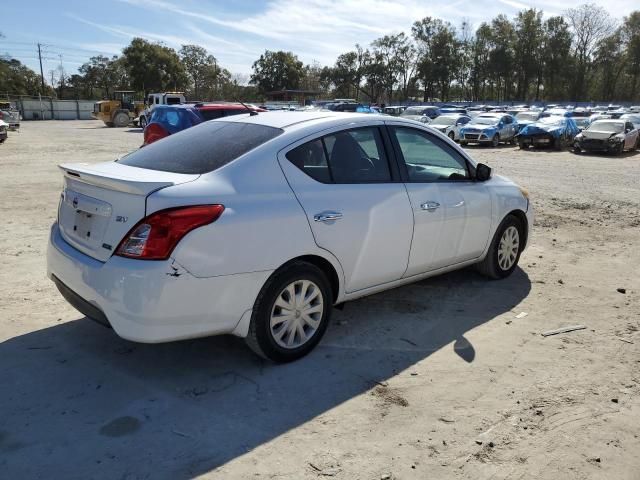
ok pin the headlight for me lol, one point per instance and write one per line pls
(524, 192)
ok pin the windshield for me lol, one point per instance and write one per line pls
(485, 120)
(445, 120)
(552, 120)
(604, 126)
(527, 116)
(201, 149)
(415, 111)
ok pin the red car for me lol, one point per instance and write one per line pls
(169, 119)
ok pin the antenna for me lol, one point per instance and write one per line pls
(252, 113)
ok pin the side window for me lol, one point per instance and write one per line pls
(357, 156)
(347, 157)
(310, 158)
(507, 120)
(426, 159)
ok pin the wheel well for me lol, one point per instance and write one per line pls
(520, 215)
(326, 267)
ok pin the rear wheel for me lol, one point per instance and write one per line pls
(505, 249)
(291, 313)
(121, 119)
(143, 121)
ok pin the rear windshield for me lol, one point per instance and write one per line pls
(201, 149)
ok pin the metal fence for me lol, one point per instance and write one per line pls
(47, 108)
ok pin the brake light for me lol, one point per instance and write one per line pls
(153, 132)
(155, 237)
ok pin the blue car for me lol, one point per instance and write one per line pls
(169, 119)
(555, 131)
(489, 128)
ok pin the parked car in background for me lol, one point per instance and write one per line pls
(489, 128)
(526, 117)
(421, 113)
(633, 118)
(459, 110)
(450, 124)
(4, 126)
(394, 110)
(258, 225)
(582, 122)
(554, 112)
(10, 115)
(169, 119)
(557, 132)
(609, 135)
(155, 99)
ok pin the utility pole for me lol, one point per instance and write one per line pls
(41, 72)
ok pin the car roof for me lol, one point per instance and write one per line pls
(221, 106)
(287, 118)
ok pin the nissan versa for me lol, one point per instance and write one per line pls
(257, 225)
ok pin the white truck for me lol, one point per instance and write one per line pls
(153, 99)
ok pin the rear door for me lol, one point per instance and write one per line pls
(354, 201)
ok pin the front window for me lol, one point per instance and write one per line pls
(527, 117)
(612, 127)
(428, 160)
(485, 121)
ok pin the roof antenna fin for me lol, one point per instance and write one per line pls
(252, 113)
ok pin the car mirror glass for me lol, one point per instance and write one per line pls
(483, 172)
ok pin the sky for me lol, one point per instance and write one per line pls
(236, 32)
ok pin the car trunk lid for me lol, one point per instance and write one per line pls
(100, 203)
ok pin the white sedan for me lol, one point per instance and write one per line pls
(450, 124)
(258, 225)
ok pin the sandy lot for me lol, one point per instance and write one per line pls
(439, 379)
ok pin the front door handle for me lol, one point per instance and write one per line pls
(327, 216)
(429, 206)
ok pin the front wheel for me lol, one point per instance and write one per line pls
(495, 141)
(121, 120)
(505, 249)
(452, 136)
(291, 313)
(142, 122)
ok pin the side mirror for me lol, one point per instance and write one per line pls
(483, 172)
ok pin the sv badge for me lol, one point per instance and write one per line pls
(121, 219)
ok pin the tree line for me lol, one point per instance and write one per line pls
(582, 55)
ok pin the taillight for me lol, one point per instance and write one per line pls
(153, 132)
(155, 237)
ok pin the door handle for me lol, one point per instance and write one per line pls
(327, 216)
(429, 206)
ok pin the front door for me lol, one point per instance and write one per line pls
(356, 208)
(452, 212)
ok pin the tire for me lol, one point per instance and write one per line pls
(495, 141)
(142, 122)
(522, 145)
(109, 124)
(121, 120)
(493, 266)
(452, 136)
(513, 141)
(263, 337)
(619, 150)
(576, 149)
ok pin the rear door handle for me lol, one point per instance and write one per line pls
(429, 206)
(327, 216)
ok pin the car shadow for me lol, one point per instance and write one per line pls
(78, 402)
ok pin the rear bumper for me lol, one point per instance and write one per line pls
(150, 301)
(539, 140)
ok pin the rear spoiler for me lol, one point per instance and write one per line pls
(114, 176)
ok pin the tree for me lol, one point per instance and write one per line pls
(104, 75)
(590, 24)
(630, 34)
(277, 71)
(556, 61)
(199, 66)
(18, 79)
(609, 63)
(528, 34)
(153, 67)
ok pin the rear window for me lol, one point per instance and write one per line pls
(201, 149)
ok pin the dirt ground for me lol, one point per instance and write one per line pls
(446, 378)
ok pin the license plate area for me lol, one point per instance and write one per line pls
(83, 219)
(83, 225)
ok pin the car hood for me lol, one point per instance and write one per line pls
(538, 128)
(414, 117)
(479, 127)
(597, 135)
